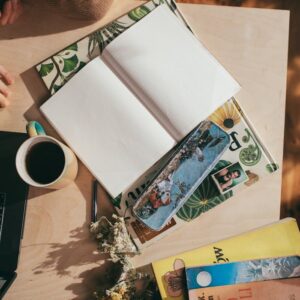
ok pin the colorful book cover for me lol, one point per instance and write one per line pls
(242, 272)
(183, 173)
(281, 289)
(275, 240)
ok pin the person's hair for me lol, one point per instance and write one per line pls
(238, 172)
(82, 9)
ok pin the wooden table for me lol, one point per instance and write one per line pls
(58, 256)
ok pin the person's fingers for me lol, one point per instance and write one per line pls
(6, 12)
(8, 78)
(3, 101)
(13, 12)
(4, 90)
(5, 79)
(16, 11)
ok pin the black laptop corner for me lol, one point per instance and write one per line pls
(13, 199)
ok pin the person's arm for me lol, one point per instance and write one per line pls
(226, 184)
(6, 79)
(10, 11)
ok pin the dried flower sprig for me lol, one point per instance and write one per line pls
(124, 289)
(114, 239)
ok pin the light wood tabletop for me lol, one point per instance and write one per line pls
(58, 258)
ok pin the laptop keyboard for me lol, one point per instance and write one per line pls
(2, 282)
(2, 208)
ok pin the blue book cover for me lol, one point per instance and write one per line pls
(242, 272)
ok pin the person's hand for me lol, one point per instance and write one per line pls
(10, 12)
(6, 79)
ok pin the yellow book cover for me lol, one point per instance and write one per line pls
(277, 239)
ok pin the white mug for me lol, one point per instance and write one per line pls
(69, 166)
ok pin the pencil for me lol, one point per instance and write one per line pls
(94, 202)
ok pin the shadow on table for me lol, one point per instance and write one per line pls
(81, 250)
(102, 278)
(39, 19)
(92, 280)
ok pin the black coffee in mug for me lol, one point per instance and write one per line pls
(45, 162)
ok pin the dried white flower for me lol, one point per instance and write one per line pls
(114, 239)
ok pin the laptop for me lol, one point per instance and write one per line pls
(13, 199)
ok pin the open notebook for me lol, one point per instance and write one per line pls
(124, 110)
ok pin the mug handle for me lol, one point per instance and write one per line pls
(34, 128)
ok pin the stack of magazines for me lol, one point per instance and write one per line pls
(262, 264)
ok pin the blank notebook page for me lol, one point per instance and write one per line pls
(107, 127)
(171, 72)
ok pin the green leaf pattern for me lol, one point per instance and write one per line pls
(73, 47)
(70, 63)
(45, 69)
(138, 13)
(272, 167)
(251, 154)
(205, 197)
(117, 201)
(98, 40)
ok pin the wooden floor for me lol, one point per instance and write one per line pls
(290, 200)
